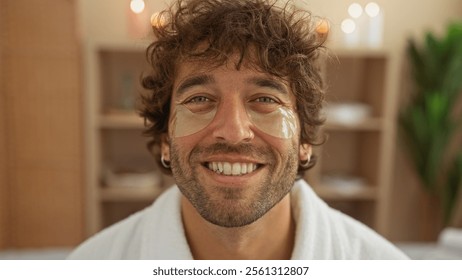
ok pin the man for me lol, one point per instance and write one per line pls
(233, 113)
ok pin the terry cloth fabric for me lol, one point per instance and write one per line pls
(157, 233)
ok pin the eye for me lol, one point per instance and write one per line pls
(266, 99)
(264, 104)
(197, 99)
(199, 104)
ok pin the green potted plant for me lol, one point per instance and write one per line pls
(430, 122)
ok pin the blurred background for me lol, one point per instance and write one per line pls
(73, 159)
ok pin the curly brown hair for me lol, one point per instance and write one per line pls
(282, 40)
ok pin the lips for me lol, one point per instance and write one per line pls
(232, 168)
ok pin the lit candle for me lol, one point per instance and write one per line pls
(350, 32)
(353, 27)
(322, 28)
(375, 24)
(355, 10)
(137, 6)
(157, 20)
(138, 19)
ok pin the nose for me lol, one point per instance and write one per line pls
(232, 124)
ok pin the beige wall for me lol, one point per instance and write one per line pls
(402, 18)
(106, 19)
(41, 125)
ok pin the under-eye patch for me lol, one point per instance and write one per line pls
(278, 121)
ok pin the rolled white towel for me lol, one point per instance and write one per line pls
(451, 237)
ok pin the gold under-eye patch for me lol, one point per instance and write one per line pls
(280, 122)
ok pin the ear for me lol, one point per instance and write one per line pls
(305, 152)
(165, 147)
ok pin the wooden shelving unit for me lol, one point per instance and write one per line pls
(121, 120)
(360, 149)
(114, 133)
(116, 194)
(371, 124)
(354, 166)
(333, 193)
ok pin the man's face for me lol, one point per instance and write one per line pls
(233, 142)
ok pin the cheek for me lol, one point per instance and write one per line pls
(183, 146)
(280, 147)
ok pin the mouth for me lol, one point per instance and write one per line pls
(232, 168)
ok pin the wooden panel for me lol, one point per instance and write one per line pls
(3, 150)
(415, 216)
(340, 154)
(43, 116)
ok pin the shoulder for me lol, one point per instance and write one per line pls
(125, 239)
(325, 233)
(111, 242)
(362, 242)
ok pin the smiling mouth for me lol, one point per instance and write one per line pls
(232, 169)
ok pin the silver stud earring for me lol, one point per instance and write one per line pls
(165, 163)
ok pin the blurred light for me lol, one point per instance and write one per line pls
(355, 10)
(157, 20)
(322, 27)
(372, 9)
(137, 6)
(348, 26)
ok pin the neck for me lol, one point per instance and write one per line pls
(270, 237)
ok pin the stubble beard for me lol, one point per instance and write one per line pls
(228, 206)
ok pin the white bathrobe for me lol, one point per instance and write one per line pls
(157, 233)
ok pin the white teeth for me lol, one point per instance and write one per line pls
(236, 169)
(232, 169)
(227, 168)
(251, 167)
(244, 168)
(220, 167)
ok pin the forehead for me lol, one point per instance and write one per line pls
(203, 73)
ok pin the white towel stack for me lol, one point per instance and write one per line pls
(451, 238)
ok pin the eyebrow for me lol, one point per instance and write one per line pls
(269, 83)
(205, 79)
(194, 81)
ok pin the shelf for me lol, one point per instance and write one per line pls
(361, 52)
(370, 124)
(118, 45)
(114, 194)
(337, 194)
(124, 120)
